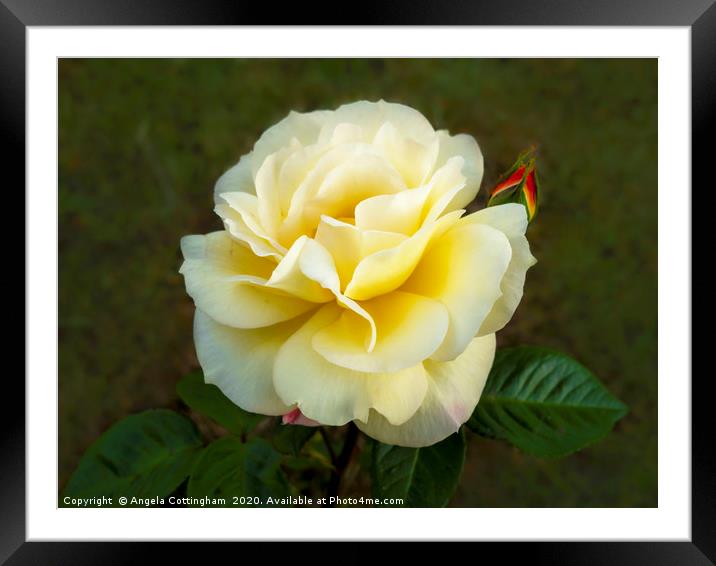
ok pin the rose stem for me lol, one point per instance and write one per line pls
(342, 461)
(329, 447)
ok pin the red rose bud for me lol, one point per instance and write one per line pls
(519, 184)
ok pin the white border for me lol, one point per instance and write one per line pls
(671, 520)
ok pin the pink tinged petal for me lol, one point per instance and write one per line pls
(454, 389)
(296, 417)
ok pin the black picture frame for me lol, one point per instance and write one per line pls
(699, 15)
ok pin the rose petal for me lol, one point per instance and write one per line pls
(454, 389)
(237, 227)
(334, 395)
(386, 270)
(301, 127)
(291, 273)
(463, 270)
(308, 271)
(341, 178)
(511, 219)
(448, 188)
(409, 329)
(268, 191)
(352, 182)
(348, 245)
(304, 128)
(401, 212)
(465, 146)
(412, 159)
(240, 362)
(238, 178)
(225, 280)
(370, 116)
(247, 207)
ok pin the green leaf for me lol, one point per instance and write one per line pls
(144, 455)
(290, 439)
(303, 463)
(229, 468)
(421, 477)
(544, 402)
(207, 399)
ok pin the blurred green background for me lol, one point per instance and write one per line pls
(142, 141)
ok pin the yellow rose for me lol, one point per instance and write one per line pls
(347, 284)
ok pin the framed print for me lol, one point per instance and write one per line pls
(433, 276)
